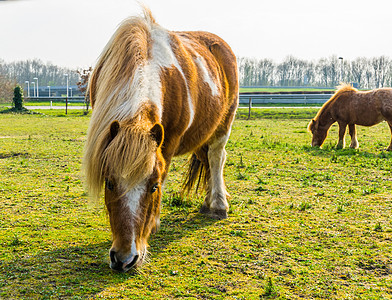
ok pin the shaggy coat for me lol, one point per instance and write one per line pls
(351, 107)
(156, 94)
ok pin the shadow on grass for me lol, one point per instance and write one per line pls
(175, 226)
(83, 271)
(23, 111)
(72, 271)
(13, 154)
(331, 151)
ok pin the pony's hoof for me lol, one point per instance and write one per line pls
(217, 214)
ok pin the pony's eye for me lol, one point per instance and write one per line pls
(109, 184)
(154, 188)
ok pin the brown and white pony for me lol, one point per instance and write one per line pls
(351, 107)
(157, 94)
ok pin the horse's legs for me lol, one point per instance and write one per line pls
(342, 133)
(215, 204)
(353, 133)
(390, 127)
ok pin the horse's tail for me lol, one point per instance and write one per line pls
(198, 170)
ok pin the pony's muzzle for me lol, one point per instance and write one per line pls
(315, 145)
(122, 266)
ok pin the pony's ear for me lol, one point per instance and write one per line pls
(311, 125)
(114, 128)
(157, 134)
(314, 124)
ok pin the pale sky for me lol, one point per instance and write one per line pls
(72, 33)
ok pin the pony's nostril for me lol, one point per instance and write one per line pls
(115, 263)
(121, 266)
(113, 257)
(132, 263)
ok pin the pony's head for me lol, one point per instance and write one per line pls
(319, 132)
(132, 168)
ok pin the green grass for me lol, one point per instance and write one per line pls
(304, 223)
(277, 113)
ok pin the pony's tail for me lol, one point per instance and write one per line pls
(198, 170)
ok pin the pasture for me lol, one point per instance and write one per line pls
(303, 222)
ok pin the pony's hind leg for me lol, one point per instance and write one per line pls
(353, 133)
(215, 204)
(342, 134)
(390, 127)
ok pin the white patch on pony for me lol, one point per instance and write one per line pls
(145, 86)
(151, 87)
(133, 248)
(164, 57)
(133, 95)
(134, 196)
(201, 63)
(131, 256)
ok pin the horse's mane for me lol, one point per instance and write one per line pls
(115, 95)
(340, 90)
(119, 62)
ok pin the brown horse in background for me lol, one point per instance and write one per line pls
(156, 94)
(351, 107)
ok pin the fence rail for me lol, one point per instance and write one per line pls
(246, 98)
(70, 99)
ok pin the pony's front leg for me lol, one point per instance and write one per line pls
(342, 134)
(353, 133)
(215, 204)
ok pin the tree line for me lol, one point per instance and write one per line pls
(47, 73)
(326, 72)
(18, 72)
(366, 73)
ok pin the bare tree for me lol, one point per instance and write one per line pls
(7, 86)
(380, 68)
(47, 73)
(83, 84)
(266, 70)
(357, 70)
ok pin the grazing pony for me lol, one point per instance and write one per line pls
(351, 107)
(157, 94)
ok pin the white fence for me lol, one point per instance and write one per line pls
(308, 98)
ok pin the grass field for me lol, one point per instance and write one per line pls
(304, 223)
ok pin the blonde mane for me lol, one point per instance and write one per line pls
(115, 95)
(341, 89)
(130, 155)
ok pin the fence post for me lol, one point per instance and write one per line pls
(66, 105)
(250, 107)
